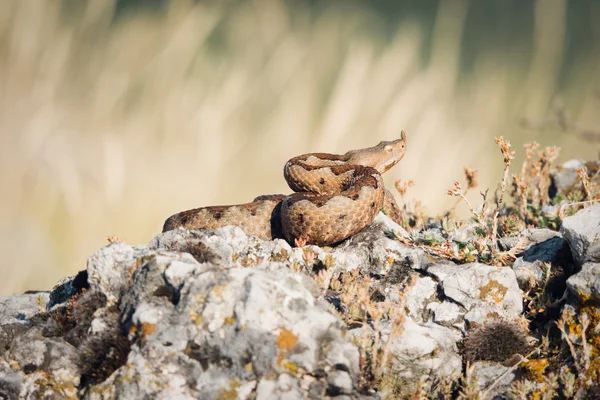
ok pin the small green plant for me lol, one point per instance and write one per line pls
(469, 387)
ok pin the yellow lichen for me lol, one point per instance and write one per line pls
(493, 290)
(231, 393)
(148, 328)
(292, 367)
(287, 340)
(196, 318)
(535, 369)
(573, 322)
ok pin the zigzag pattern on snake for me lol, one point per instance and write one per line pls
(337, 196)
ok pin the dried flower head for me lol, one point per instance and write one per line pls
(582, 173)
(402, 186)
(457, 191)
(471, 177)
(530, 149)
(549, 154)
(505, 149)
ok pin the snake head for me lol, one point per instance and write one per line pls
(381, 157)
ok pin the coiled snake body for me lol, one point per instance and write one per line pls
(337, 196)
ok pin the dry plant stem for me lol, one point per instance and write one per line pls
(521, 195)
(508, 155)
(585, 181)
(562, 206)
(377, 364)
(453, 208)
(508, 371)
(421, 393)
(396, 330)
(523, 205)
(497, 210)
(476, 214)
(542, 174)
(585, 323)
(471, 178)
(580, 371)
(468, 392)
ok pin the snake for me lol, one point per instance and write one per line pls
(336, 196)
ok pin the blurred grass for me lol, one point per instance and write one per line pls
(115, 115)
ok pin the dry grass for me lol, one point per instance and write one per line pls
(112, 122)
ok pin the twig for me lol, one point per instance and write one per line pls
(509, 370)
(458, 191)
(578, 203)
(585, 323)
(508, 155)
(560, 324)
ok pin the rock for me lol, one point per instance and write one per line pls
(482, 290)
(418, 296)
(223, 330)
(11, 382)
(223, 314)
(422, 349)
(39, 366)
(378, 253)
(564, 177)
(487, 372)
(447, 313)
(529, 237)
(582, 232)
(109, 268)
(340, 382)
(282, 388)
(586, 283)
(68, 287)
(17, 309)
(545, 250)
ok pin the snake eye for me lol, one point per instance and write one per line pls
(388, 148)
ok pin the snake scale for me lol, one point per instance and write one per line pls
(336, 197)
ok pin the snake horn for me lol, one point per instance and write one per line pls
(403, 135)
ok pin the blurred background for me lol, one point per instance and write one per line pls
(116, 114)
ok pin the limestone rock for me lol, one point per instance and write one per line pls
(204, 314)
(17, 309)
(487, 372)
(564, 177)
(586, 283)
(582, 232)
(422, 349)
(545, 250)
(481, 289)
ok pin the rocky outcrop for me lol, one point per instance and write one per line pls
(219, 314)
